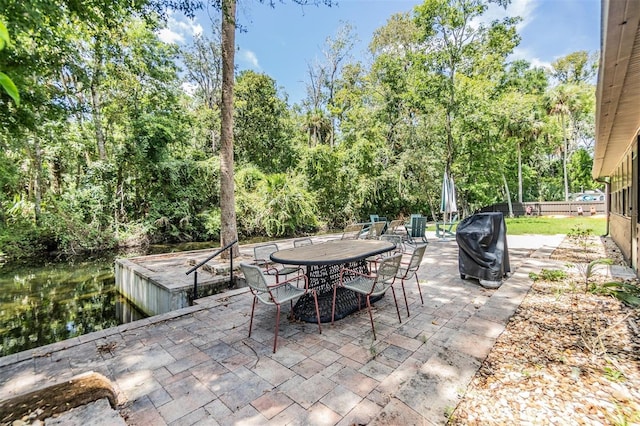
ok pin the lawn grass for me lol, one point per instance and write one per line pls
(547, 225)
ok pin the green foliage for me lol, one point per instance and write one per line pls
(614, 375)
(261, 128)
(20, 240)
(6, 82)
(580, 234)
(580, 166)
(332, 183)
(211, 222)
(275, 205)
(626, 292)
(549, 275)
(106, 148)
(289, 208)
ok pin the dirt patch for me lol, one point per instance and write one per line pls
(567, 356)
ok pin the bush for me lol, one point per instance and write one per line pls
(275, 205)
(21, 241)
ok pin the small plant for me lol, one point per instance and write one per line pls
(613, 375)
(627, 293)
(580, 236)
(448, 411)
(548, 275)
(589, 269)
(373, 351)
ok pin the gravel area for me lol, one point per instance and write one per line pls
(567, 357)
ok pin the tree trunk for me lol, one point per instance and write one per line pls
(95, 99)
(506, 190)
(519, 173)
(37, 180)
(565, 148)
(213, 141)
(228, 230)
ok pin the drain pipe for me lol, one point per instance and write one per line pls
(607, 201)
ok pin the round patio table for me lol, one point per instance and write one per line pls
(324, 262)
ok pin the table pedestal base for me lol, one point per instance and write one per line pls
(322, 278)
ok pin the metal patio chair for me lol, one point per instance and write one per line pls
(352, 231)
(395, 239)
(369, 285)
(261, 255)
(301, 242)
(407, 270)
(275, 294)
(375, 230)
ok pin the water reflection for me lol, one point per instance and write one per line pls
(56, 301)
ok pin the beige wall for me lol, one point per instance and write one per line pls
(620, 231)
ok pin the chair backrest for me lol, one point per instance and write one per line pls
(416, 257)
(388, 269)
(254, 277)
(262, 252)
(418, 226)
(394, 224)
(374, 218)
(395, 239)
(352, 231)
(375, 230)
(301, 242)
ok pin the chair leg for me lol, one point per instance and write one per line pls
(315, 299)
(275, 340)
(333, 305)
(419, 290)
(371, 318)
(253, 307)
(396, 302)
(405, 298)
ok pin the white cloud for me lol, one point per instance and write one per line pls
(189, 88)
(525, 9)
(523, 53)
(249, 58)
(189, 26)
(168, 36)
(178, 29)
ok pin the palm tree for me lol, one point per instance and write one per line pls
(561, 102)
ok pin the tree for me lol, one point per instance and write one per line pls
(456, 68)
(203, 60)
(228, 227)
(572, 104)
(262, 130)
(323, 84)
(580, 167)
(575, 68)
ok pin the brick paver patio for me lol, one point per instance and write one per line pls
(197, 365)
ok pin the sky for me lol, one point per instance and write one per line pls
(283, 41)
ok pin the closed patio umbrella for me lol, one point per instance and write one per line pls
(448, 204)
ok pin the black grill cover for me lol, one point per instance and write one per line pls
(482, 242)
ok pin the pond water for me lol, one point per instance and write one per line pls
(52, 301)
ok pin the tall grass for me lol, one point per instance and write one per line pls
(554, 225)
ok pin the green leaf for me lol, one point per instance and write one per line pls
(4, 36)
(9, 87)
(629, 299)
